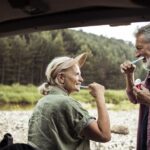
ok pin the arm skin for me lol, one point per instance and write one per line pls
(136, 95)
(98, 130)
(128, 70)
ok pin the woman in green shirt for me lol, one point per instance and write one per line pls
(58, 121)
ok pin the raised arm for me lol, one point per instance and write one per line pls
(98, 130)
(127, 68)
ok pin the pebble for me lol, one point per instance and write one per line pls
(16, 123)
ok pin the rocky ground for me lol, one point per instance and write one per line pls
(16, 123)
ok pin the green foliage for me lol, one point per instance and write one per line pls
(19, 94)
(111, 96)
(115, 96)
(22, 95)
(24, 58)
(83, 96)
(125, 106)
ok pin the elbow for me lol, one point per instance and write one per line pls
(106, 139)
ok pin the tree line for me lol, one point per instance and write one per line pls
(23, 58)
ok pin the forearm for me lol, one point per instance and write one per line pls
(129, 81)
(131, 96)
(103, 117)
(129, 87)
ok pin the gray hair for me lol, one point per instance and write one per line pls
(145, 30)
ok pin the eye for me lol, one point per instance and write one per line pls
(78, 73)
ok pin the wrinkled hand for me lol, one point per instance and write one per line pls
(96, 89)
(142, 95)
(127, 67)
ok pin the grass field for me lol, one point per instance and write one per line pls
(28, 95)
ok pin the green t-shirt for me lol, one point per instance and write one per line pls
(57, 121)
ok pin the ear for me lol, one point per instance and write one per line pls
(61, 78)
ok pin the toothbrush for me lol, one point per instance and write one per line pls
(135, 61)
(84, 87)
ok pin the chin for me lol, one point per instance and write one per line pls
(77, 89)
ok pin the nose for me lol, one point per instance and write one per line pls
(81, 79)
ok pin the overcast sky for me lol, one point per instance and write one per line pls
(119, 32)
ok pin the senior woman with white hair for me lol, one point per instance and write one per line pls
(58, 121)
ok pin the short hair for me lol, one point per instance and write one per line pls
(145, 30)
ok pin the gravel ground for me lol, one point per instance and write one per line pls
(16, 123)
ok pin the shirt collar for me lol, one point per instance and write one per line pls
(58, 90)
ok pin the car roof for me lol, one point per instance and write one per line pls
(21, 16)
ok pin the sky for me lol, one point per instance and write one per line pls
(125, 33)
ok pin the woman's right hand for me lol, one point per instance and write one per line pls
(98, 130)
(96, 89)
(127, 67)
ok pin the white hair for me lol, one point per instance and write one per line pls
(145, 30)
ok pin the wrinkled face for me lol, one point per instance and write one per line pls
(143, 49)
(72, 79)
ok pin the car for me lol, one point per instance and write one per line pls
(21, 16)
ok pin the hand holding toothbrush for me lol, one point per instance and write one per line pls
(128, 67)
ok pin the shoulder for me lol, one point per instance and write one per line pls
(69, 101)
(73, 106)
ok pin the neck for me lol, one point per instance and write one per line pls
(59, 86)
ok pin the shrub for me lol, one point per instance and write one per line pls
(111, 96)
(18, 94)
(28, 94)
(115, 96)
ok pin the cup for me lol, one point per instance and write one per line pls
(138, 83)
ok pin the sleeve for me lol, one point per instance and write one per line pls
(78, 116)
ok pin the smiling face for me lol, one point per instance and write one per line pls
(72, 79)
(143, 49)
